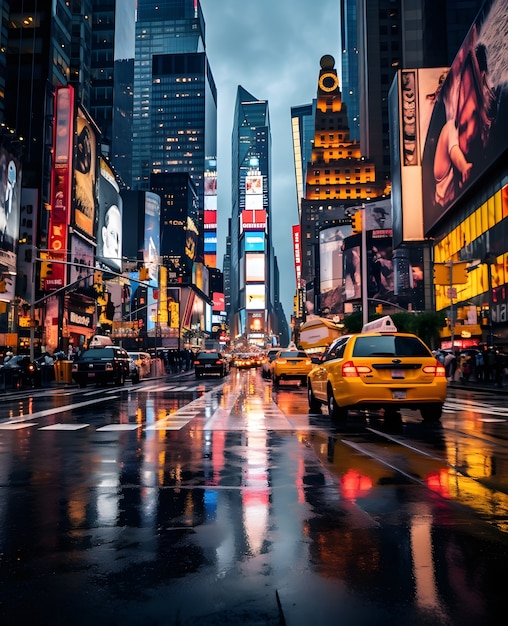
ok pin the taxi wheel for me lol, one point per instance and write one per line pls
(431, 412)
(314, 404)
(276, 381)
(335, 411)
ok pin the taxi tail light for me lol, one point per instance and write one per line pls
(350, 370)
(438, 370)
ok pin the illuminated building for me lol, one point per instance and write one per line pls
(255, 312)
(337, 177)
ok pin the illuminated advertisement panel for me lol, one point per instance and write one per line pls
(297, 249)
(378, 215)
(255, 241)
(219, 301)
(255, 268)
(82, 254)
(85, 175)
(10, 196)
(352, 271)
(468, 128)
(256, 322)
(109, 228)
(61, 188)
(255, 297)
(253, 220)
(411, 101)
(330, 258)
(151, 252)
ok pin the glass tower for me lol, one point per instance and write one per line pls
(175, 100)
(252, 268)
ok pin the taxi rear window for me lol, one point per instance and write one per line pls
(390, 345)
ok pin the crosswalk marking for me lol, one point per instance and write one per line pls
(62, 426)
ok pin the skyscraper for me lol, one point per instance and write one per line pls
(337, 177)
(175, 100)
(252, 271)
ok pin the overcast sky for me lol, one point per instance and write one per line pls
(271, 48)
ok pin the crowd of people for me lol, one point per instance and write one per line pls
(487, 365)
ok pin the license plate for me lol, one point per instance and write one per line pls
(397, 374)
(399, 395)
(91, 374)
(208, 365)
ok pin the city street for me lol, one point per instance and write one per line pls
(178, 501)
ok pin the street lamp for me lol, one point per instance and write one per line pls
(490, 260)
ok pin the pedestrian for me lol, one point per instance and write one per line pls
(450, 363)
(479, 367)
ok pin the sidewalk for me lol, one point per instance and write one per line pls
(55, 384)
(479, 386)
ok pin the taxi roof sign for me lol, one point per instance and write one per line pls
(381, 325)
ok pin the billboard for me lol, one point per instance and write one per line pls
(411, 102)
(468, 128)
(85, 175)
(151, 251)
(109, 227)
(253, 219)
(53, 275)
(10, 197)
(255, 297)
(331, 243)
(255, 268)
(297, 249)
(254, 241)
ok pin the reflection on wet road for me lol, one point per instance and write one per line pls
(172, 502)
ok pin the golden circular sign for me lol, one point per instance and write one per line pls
(328, 81)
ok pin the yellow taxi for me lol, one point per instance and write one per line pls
(378, 370)
(290, 365)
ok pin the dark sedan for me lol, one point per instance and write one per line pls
(210, 362)
(102, 365)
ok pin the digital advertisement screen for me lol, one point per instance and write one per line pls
(468, 130)
(109, 229)
(255, 297)
(254, 241)
(85, 175)
(151, 250)
(255, 268)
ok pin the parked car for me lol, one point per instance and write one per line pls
(143, 361)
(378, 371)
(134, 371)
(210, 362)
(290, 365)
(265, 366)
(20, 370)
(102, 365)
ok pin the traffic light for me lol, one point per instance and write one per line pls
(460, 275)
(46, 270)
(379, 309)
(441, 274)
(356, 222)
(143, 273)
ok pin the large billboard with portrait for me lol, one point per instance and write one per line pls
(109, 226)
(10, 196)
(468, 130)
